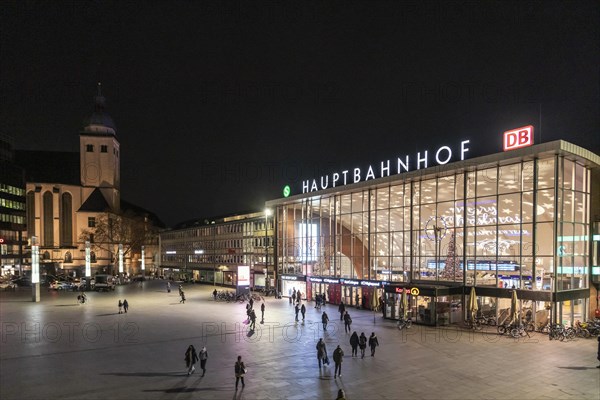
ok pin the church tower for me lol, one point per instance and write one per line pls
(100, 154)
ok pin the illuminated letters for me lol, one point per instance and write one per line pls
(443, 155)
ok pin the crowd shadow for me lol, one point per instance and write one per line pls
(66, 305)
(146, 374)
(185, 389)
(578, 368)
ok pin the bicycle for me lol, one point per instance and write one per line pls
(404, 323)
(475, 324)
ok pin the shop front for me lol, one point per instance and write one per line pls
(291, 282)
(357, 293)
(427, 304)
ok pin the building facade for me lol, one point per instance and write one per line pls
(524, 220)
(12, 210)
(69, 195)
(210, 250)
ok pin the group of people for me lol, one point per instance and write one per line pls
(295, 296)
(251, 314)
(191, 357)
(123, 306)
(338, 354)
(300, 309)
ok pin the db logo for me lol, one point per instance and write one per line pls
(517, 138)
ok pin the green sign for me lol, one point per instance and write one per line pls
(286, 191)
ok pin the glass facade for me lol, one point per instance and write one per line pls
(519, 224)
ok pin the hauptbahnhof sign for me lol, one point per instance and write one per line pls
(405, 163)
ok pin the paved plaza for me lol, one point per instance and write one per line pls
(58, 349)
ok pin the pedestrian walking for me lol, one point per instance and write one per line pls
(240, 372)
(190, 359)
(125, 305)
(322, 353)
(248, 309)
(324, 320)
(168, 287)
(252, 320)
(303, 311)
(341, 395)
(373, 343)
(354, 344)
(318, 301)
(251, 302)
(338, 357)
(215, 294)
(120, 307)
(262, 312)
(342, 310)
(347, 322)
(362, 343)
(356, 299)
(182, 294)
(203, 357)
(297, 309)
(598, 351)
(298, 296)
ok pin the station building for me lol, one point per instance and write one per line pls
(436, 223)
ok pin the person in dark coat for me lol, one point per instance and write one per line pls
(347, 322)
(354, 344)
(298, 296)
(338, 357)
(203, 357)
(120, 307)
(125, 305)
(321, 352)
(598, 351)
(373, 343)
(262, 311)
(342, 310)
(362, 343)
(303, 311)
(297, 308)
(182, 297)
(190, 359)
(324, 320)
(252, 320)
(240, 372)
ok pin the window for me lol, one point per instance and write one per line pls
(91, 222)
(89, 148)
(68, 257)
(103, 148)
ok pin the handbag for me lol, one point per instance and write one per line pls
(326, 360)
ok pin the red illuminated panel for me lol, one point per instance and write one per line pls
(517, 138)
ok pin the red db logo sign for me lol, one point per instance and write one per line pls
(517, 138)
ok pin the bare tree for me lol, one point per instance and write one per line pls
(127, 228)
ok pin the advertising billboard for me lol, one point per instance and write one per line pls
(243, 273)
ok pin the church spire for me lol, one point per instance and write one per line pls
(99, 99)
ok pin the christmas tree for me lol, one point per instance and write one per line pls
(452, 270)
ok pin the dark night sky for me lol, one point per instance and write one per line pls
(219, 104)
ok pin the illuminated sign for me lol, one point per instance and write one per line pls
(286, 191)
(243, 275)
(441, 156)
(414, 291)
(344, 281)
(289, 278)
(517, 138)
(35, 264)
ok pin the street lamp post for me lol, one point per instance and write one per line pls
(267, 213)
